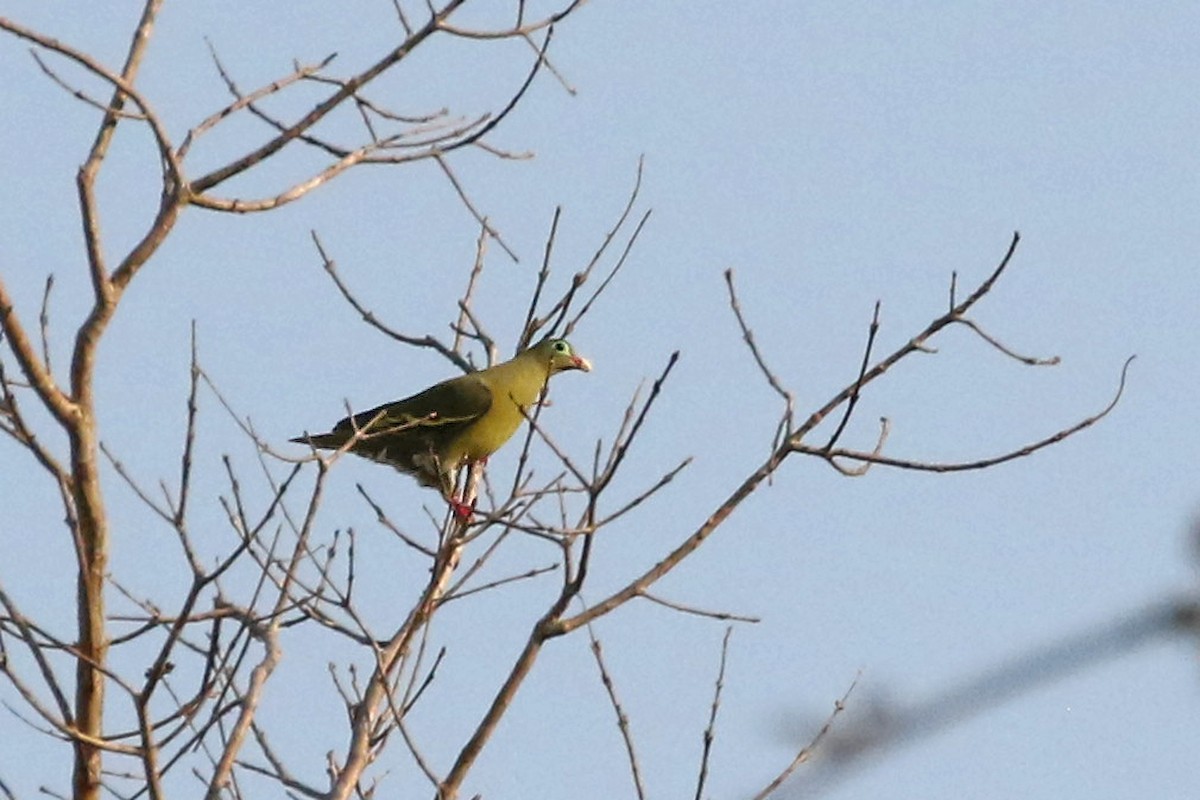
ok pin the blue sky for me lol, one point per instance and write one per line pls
(832, 154)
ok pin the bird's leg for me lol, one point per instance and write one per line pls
(463, 510)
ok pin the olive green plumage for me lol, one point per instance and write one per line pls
(464, 419)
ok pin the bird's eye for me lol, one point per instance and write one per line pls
(560, 346)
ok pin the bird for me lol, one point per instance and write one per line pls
(458, 421)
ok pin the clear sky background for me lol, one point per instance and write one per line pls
(832, 154)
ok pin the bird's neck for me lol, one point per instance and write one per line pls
(525, 376)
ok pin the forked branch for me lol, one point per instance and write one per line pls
(795, 443)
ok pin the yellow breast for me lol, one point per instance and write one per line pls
(514, 385)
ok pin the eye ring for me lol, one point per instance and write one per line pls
(560, 346)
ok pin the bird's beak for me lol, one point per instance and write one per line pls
(579, 362)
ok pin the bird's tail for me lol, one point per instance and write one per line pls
(323, 441)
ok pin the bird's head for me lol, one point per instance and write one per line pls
(561, 356)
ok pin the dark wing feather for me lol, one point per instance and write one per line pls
(410, 434)
(457, 401)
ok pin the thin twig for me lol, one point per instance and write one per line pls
(79, 94)
(44, 323)
(382, 518)
(531, 325)
(807, 750)
(872, 332)
(1029, 361)
(723, 616)
(242, 101)
(369, 316)
(468, 295)
(622, 718)
(981, 463)
(533, 572)
(612, 273)
(784, 429)
(710, 729)
(466, 201)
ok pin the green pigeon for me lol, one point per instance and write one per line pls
(458, 421)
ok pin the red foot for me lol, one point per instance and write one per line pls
(463, 511)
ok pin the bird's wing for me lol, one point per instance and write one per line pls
(442, 409)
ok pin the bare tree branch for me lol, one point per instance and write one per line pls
(622, 718)
(369, 317)
(806, 752)
(974, 464)
(710, 729)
